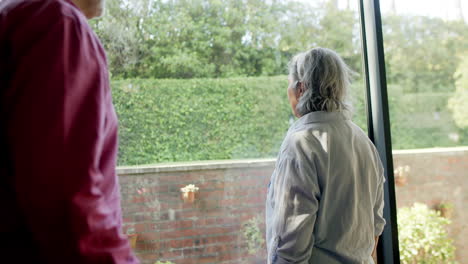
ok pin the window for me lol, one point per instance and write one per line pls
(200, 90)
(426, 48)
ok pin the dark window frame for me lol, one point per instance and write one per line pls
(379, 120)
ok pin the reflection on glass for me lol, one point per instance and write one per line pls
(426, 52)
(196, 81)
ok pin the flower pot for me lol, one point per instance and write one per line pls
(446, 212)
(188, 197)
(401, 181)
(132, 239)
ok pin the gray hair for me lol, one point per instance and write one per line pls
(326, 79)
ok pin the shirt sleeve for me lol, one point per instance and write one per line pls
(379, 220)
(296, 201)
(56, 139)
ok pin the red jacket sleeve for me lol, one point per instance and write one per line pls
(62, 140)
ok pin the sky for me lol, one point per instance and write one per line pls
(445, 9)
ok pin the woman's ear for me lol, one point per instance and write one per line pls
(300, 89)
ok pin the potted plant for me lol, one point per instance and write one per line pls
(401, 175)
(132, 237)
(143, 190)
(188, 193)
(253, 235)
(445, 209)
(142, 194)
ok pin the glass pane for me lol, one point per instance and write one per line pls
(200, 91)
(426, 49)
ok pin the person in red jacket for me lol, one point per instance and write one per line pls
(59, 194)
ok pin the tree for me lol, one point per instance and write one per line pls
(393, 7)
(458, 7)
(121, 37)
(220, 38)
(422, 52)
(187, 39)
(223, 38)
(458, 104)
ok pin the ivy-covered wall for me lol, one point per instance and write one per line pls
(200, 119)
(232, 118)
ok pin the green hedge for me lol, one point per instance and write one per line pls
(422, 121)
(200, 119)
(209, 119)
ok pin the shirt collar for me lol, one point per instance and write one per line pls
(323, 116)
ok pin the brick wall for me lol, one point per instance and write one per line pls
(438, 175)
(210, 230)
(206, 231)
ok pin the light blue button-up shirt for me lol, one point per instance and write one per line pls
(325, 198)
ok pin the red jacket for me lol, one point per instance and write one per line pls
(59, 194)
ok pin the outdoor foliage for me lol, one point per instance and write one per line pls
(185, 39)
(232, 118)
(423, 236)
(165, 56)
(423, 120)
(459, 101)
(253, 235)
(220, 38)
(422, 53)
(227, 38)
(200, 119)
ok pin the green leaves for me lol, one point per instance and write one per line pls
(458, 103)
(422, 53)
(423, 236)
(253, 235)
(220, 38)
(200, 119)
(231, 118)
(228, 38)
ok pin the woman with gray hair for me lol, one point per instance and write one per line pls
(325, 198)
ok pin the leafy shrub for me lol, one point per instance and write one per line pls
(209, 119)
(423, 236)
(253, 235)
(422, 120)
(200, 119)
(459, 101)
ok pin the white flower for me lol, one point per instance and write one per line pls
(407, 168)
(189, 188)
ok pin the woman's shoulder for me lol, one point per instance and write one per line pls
(299, 143)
